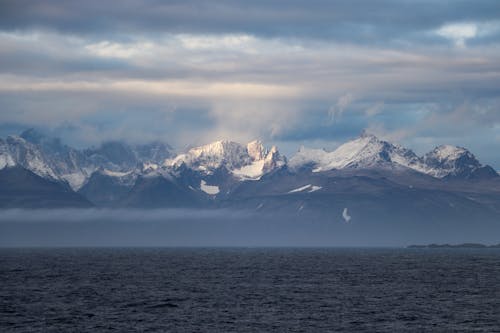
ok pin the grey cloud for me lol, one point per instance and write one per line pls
(369, 21)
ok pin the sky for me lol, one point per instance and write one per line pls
(291, 73)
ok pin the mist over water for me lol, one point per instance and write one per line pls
(184, 227)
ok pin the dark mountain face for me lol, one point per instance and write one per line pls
(159, 192)
(21, 188)
(485, 172)
(154, 152)
(33, 136)
(124, 156)
(114, 154)
(366, 197)
(104, 190)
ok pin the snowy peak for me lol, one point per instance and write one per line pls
(50, 158)
(446, 155)
(245, 162)
(28, 155)
(256, 150)
(366, 151)
(369, 151)
(450, 161)
(212, 156)
(273, 160)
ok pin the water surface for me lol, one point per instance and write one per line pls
(249, 290)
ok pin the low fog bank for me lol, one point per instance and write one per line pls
(180, 227)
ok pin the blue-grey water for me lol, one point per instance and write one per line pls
(249, 290)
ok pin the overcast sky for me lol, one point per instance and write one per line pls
(294, 73)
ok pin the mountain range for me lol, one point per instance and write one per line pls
(364, 179)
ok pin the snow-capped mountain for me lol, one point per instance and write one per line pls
(365, 152)
(66, 163)
(6, 159)
(17, 151)
(229, 173)
(49, 158)
(451, 161)
(370, 152)
(245, 162)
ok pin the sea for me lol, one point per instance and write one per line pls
(249, 290)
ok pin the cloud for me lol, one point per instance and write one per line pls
(190, 72)
(335, 112)
(119, 50)
(385, 21)
(458, 32)
(374, 109)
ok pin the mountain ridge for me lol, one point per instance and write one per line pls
(360, 173)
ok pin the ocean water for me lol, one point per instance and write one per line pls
(249, 290)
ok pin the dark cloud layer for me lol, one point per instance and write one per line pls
(361, 21)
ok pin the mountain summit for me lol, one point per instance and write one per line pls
(455, 162)
(364, 152)
(246, 162)
(370, 152)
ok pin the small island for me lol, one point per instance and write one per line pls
(454, 246)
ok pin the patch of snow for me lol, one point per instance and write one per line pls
(346, 216)
(75, 180)
(315, 188)
(309, 187)
(149, 166)
(116, 173)
(6, 161)
(252, 171)
(209, 189)
(300, 189)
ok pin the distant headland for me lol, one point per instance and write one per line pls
(453, 246)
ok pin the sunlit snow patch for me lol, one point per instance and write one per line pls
(315, 188)
(209, 189)
(309, 188)
(115, 173)
(75, 180)
(251, 172)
